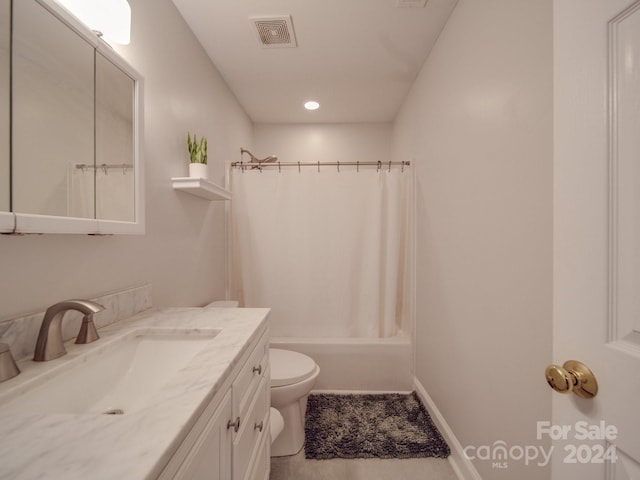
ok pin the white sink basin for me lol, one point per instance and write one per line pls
(119, 376)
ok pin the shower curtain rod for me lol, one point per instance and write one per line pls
(105, 166)
(260, 165)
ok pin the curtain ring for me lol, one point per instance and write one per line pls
(402, 167)
(389, 166)
(379, 165)
(105, 168)
(124, 169)
(279, 169)
(358, 166)
(318, 166)
(338, 164)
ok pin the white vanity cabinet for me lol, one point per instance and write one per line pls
(231, 439)
(210, 455)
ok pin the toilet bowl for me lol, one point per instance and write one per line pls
(293, 375)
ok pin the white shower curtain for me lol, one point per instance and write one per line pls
(115, 194)
(80, 192)
(112, 193)
(325, 250)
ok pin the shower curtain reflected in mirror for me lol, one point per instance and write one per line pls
(327, 251)
(99, 193)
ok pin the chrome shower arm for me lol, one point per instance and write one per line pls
(254, 159)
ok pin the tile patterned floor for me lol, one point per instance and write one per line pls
(298, 468)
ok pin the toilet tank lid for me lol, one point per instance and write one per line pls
(223, 304)
(289, 367)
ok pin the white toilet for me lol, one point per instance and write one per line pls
(293, 375)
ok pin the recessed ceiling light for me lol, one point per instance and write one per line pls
(311, 105)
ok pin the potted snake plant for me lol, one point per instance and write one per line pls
(197, 156)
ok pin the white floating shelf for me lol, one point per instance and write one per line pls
(200, 187)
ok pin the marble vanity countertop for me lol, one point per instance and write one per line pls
(136, 445)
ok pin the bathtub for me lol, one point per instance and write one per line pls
(356, 364)
(353, 364)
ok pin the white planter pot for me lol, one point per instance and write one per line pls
(198, 170)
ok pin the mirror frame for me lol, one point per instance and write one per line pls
(16, 222)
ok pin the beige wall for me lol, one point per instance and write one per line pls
(331, 142)
(183, 252)
(478, 123)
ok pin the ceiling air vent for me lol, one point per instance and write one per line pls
(274, 32)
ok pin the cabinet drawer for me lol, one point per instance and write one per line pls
(252, 429)
(253, 371)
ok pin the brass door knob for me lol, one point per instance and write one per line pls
(572, 376)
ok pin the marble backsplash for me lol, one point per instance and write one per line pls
(20, 333)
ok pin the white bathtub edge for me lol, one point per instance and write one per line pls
(400, 339)
(356, 364)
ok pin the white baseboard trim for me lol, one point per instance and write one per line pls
(461, 465)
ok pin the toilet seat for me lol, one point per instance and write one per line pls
(289, 367)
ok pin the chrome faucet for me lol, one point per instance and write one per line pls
(49, 344)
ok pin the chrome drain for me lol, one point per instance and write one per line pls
(114, 411)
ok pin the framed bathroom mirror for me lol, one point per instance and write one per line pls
(114, 172)
(76, 126)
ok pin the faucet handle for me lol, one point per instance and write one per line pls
(88, 332)
(8, 367)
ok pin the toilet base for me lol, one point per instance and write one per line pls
(291, 439)
(276, 423)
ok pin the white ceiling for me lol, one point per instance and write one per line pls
(358, 58)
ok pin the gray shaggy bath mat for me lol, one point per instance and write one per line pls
(387, 425)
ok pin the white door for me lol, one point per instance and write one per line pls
(597, 235)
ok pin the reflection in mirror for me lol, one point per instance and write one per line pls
(5, 42)
(114, 173)
(53, 115)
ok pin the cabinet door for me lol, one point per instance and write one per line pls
(210, 458)
(254, 426)
(261, 464)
